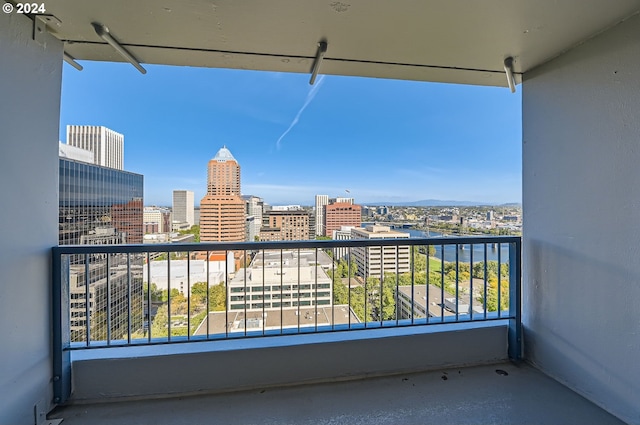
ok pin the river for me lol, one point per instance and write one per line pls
(464, 251)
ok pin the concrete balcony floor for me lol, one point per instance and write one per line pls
(491, 394)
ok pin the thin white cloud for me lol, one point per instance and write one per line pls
(312, 93)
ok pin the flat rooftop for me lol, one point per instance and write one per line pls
(291, 258)
(434, 298)
(274, 319)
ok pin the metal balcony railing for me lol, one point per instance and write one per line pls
(133, 295)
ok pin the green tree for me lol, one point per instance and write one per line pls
(218, 297)
(340, 293)
(199, 293)
(404, 279)
(492, 295)
(157, 295)
(358, 304)
(160, 325)
(194, 230)
(160, 322)
(492, 270)
(382, 300)
(178, 303)
(419, 258)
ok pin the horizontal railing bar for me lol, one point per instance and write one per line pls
(257, 246)
(387, 324)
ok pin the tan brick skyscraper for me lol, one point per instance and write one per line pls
(222, 210)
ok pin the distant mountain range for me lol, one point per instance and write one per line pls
(439, 203)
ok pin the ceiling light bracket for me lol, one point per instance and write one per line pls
(103, 33)
(508, 69)
(72, 61)
(322, 49)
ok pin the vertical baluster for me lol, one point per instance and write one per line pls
(457, 282)
(413, 301)
(87, 294)
(207, 296)
(331, 301)
(381, 293)
(108, 299)
(442, 284)
(281, 289)
(188, 295)
(349, 285)
(499, 281)
(485, 281)
(148, 297)
(427, 283)
(471, 282)
(247, 297)
(366, 295)
(315, 274)
(264, 301)
(396, 297)
(128, 298)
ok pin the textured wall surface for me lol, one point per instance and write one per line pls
(581, 194)
(30, 77)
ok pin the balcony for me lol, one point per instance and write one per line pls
(457, 304)
(578, 66)
(308, 361)
(221, 302)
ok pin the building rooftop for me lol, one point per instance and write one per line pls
(291, 258)
(377, 231)
(275, 319)
(435, 300)
(224, 154)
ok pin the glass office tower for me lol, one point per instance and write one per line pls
(102, 206)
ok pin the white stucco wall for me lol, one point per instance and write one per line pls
(30, 76)
(581, 193)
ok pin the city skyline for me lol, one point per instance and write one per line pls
(385, 141)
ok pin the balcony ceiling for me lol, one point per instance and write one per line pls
(457, 41)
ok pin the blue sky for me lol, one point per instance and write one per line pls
(383, 140)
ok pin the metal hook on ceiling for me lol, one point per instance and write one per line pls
(508, 69)
(103, 33)
(322, 49)
(71, 61)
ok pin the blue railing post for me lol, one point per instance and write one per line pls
(515, 301)
(61, 331)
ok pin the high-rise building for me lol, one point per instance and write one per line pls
(99, 206)
(159, 216)
(99, 200)
(106, 145)
(374, 261)
(341, 214)
(222, 210)
(183, 207)
(254, 207)
(291, 225)
(341, 200)
(343, 234)
(321, 201)
(280, 280)
(75, 154)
